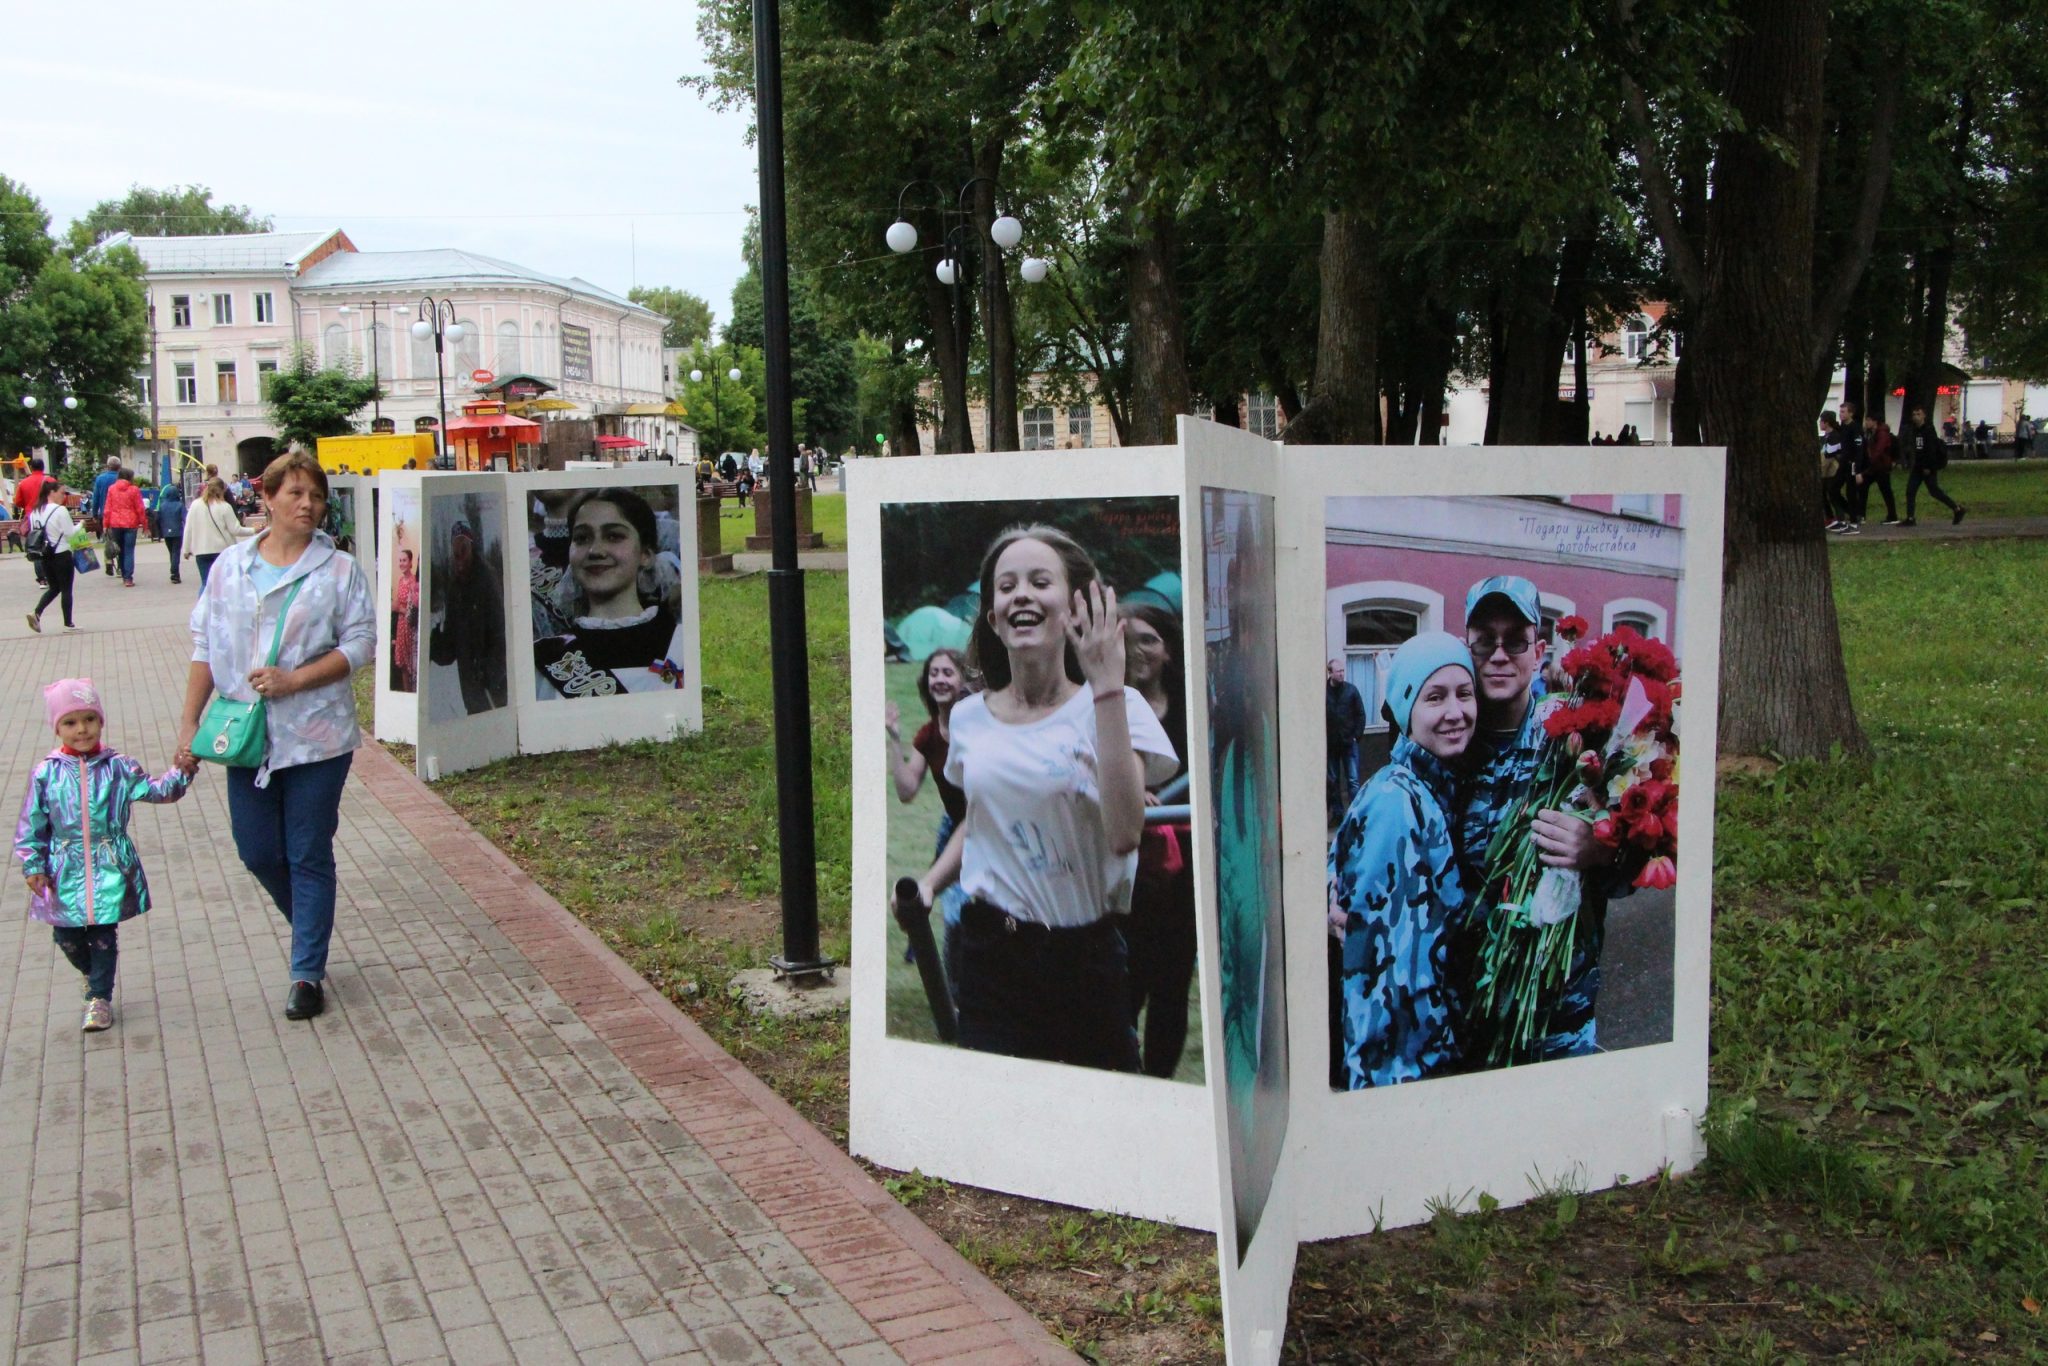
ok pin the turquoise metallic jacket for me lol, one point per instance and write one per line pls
(1394, 876)
(95, 873)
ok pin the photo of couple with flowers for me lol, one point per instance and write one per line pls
(1470, 878)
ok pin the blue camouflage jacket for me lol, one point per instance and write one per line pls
(1394, 875)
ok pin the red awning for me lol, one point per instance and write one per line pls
(516, 427)
(619, 443)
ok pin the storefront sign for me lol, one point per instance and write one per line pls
(575, 352)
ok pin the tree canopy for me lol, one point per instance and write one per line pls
(175, 211)
(307, 402)
(689, 317)
(68, 330)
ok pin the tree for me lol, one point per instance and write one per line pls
(689, 317)
(307, 403)
(179, 211)
(68, 330)
(822, 379)
(727, 413)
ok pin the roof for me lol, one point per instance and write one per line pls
(443, 266)
(275, 252)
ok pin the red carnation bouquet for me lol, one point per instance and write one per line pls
(1610, 758)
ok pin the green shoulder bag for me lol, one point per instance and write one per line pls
(237, 734)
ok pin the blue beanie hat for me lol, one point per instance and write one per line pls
(1413, 664)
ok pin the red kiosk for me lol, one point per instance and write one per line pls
(486, 437)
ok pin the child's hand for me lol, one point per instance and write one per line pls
(39, 884)
(186, 765)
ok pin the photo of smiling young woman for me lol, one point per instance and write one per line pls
(1051, 754)
(606, 582)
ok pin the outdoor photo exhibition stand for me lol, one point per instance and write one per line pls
(528, 613)
(1293, 577)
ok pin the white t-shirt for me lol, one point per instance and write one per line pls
(1035, 840)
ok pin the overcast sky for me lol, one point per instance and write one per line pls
(552, 135)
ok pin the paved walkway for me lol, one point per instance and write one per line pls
(499, 1144)
(1935, 525)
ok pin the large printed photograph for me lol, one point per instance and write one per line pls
(404, 665)
(605, 577)
(1240, 630)
(1502, 690)
(466, 638)
(1038, 843)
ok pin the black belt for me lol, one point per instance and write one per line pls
(984, 915)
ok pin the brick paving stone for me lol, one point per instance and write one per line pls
(498, 1144)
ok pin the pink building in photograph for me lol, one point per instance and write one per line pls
(1395, 567)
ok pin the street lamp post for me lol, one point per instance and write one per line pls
(437, 320)
(697, 377)
(377, 398)
(956, 224)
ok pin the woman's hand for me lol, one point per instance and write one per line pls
(1097, 633)
(271, 683)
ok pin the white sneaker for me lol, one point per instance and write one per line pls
(99, 1015)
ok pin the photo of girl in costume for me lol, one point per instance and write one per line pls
(1053, 760)
(606, 581)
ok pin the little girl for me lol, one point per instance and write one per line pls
(84, 877)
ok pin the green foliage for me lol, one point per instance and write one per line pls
(727, 413)
(307, 403)
(821, 359)
(177, 211)
(689, 317)
(67, 330)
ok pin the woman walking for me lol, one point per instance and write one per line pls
(124, 517)
(288, 585)
(170, 523)
(49, 532)
(1053, 758)
(942, 682)
(210, 528)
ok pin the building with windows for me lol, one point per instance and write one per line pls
(228, 310)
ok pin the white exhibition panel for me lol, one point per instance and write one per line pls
(550, 724)
(395, 715)
(1100, 1140)
(1379, 1158)
(450, 740)
(357, 489)
(1255, 1289)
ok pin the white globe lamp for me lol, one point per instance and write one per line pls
(696, 377)
(1033, 269)
(946, 272)
(70, 401)
(28, 400)
(1006, 231)
(901, 237)
(423, 329)
(733, 374)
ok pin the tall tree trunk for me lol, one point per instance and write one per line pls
(1344, 406)
(1855, 355)
(956, 433)
(1159, 362)
(997, 317)
(1227, 411)
(1784, 688)
(901, 419)
(1685, 400)
(1924, 379)
(1526, 383)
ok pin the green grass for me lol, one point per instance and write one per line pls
(1990, 488)
(828, 518)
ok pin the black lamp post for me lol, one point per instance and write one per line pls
(437, 320)
(697, 377)
(376, 378)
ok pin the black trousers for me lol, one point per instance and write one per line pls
(1932, 480)
(58, 571)
(1881, 480)
(94, 950)
(1160, 937)
(1842, 494)
(1030, 991)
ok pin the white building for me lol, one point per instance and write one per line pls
(227, 310)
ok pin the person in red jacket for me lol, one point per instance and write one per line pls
(123, 517)
(28, 496)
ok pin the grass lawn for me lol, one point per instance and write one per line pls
(828, 518)
(1990, 488)
(1875, 1185)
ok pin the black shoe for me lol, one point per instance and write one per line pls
(1957, 520)
(305, 1001)
(176, 579)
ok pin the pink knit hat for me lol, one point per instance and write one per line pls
(68, 695)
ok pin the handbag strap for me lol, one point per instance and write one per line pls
(277, 636)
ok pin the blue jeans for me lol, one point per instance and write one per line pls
(124, 547)
(285, 835)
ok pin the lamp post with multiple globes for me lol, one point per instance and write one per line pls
(697, 377)
(437, 320)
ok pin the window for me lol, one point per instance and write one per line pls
(193, 446)
(1262, 418)
(337, 348)
(223, 310)
(423, 356)
(266, 370)
(187, 373)
(508, 349)
(1635, 337)
(1637, 504)
(1647, 617)
(1038, 423)
(1372, 632)
(224, 381)
(181, 310)
(468, 352)
(266, 307)
(1081, 425)
(143, 385)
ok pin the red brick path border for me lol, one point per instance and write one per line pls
(925, 1300)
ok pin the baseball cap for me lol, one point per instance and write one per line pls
(1520, 593)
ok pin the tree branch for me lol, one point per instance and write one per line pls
(1877, 172)
(1678, 248)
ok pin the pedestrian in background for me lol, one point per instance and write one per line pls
(211, 527)
(288, 584)
(1926, 456)
(170, 523)
(1881, 450)
(84, 876)
(123, 517)
(1343, 722)
(48, 537)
